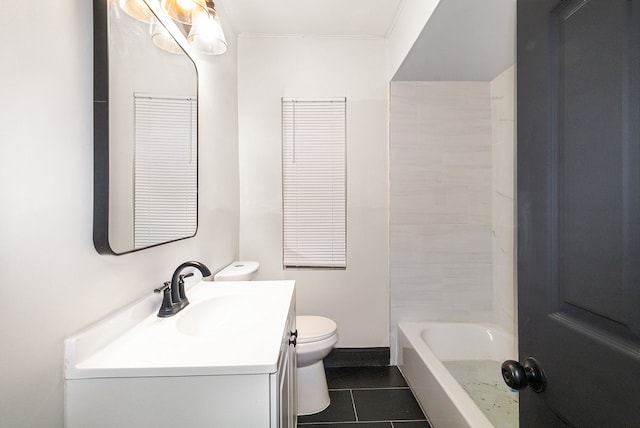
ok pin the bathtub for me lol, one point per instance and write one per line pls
(423, 351)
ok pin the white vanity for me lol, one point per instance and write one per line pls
(226, 360)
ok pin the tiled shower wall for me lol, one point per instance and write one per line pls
(446, 139)
(503, 200)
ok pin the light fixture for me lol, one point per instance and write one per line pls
(197, 19)
(137, 9)
(183, 11)
(162, 39)
(206, 33)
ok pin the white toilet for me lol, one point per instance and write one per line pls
(316, 338)
(238, 271)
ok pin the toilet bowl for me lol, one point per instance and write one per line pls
(316, 338)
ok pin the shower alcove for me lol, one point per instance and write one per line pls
(452, 152)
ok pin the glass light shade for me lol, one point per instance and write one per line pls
(183, 10)
(162, 39)
(137, 9)
(206, 34)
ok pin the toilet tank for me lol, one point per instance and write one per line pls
(238, 271)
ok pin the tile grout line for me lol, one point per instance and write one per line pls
(353, 403)
(392, 422)
(364, 388)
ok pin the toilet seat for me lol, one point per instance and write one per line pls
(312, 328)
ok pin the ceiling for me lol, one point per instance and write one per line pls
(463, 39)
(359, 18)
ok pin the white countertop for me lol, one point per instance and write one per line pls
(228, 328)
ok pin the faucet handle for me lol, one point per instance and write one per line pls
(181, 293)
(164, 287)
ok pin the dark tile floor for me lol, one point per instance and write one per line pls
(367, 397)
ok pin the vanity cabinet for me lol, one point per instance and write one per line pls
(285, 378)
(105, 387)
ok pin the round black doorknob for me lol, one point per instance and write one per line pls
(519, 376)
(514, 375)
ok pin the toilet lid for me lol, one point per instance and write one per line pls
(313, 328)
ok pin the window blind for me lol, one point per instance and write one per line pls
(165, 169)
(314, 183)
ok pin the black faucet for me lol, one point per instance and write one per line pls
(174, 298)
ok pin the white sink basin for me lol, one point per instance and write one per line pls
(228, 328)
(217, 316)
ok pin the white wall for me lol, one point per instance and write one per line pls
(53, 281)
(271, 68)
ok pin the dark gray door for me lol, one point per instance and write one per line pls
(578, 173)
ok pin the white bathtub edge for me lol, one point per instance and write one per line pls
(444, 401)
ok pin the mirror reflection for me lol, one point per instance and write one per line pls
(146, 139)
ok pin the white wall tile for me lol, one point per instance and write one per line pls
(441, 212)
(452, 202)
(503, 210)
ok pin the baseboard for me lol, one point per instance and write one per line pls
(358, 357)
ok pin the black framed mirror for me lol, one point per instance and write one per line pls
(145, 129)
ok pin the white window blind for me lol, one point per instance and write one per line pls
(165, 169)
(314, 183)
